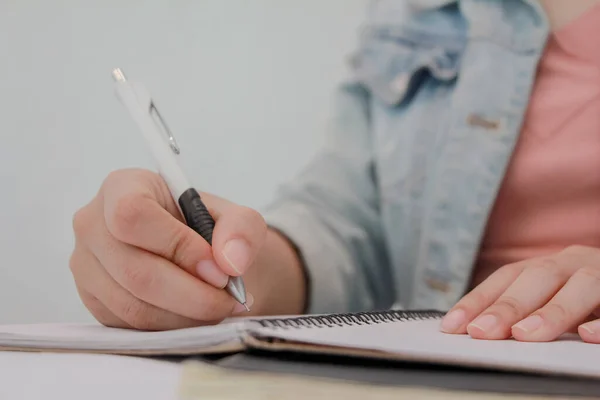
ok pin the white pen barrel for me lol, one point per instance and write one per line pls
(138, 102)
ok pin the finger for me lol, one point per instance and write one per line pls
(141, 182)
(80, 260)
(480, 298)
(158, 281)
(100, 312)
(239, 234)
(114, 306)
(574, 328)
(134, 216)
(590, 331)
(540, 279)
(578, 298)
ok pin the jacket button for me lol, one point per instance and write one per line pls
(438, 285)
(481, 122)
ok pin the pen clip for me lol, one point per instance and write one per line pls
(163, 126)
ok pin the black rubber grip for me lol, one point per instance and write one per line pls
(196, 214)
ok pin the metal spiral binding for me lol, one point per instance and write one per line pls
(352, 319)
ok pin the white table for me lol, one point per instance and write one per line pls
(29, 376)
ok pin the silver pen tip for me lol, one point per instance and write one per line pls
(118, 75)
(246, 306)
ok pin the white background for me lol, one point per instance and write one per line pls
(245, 85)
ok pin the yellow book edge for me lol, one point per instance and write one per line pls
(203, 381)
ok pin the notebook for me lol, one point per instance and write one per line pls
(403, 335)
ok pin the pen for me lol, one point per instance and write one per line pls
(165, 149)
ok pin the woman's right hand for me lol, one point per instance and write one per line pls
(137, 265)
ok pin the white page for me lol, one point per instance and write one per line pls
(39, 376)
(422, 340)
(98, 337)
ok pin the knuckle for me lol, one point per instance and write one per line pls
(100, 317)
(549, 264)
(513, 269)
(180, 248)
(576, 249)
(137, 314)
(559, 274)
(77, 260)
(114, 177)
(111, 323)
(556, 313)
(476, 299)
(473, 302)
(150, 179)
(99, 312)
(127, 213)
(82, 221)
(139, 281)
(93, 305)
(509, 306)
(548, 271)
(73, 264)
(591, 274)
(128, 174)
(255, 218)
(536, 270)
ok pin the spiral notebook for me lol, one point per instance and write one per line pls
(395, 335)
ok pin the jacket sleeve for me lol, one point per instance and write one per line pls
(330, 212)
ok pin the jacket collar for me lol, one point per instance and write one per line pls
(535, 34)
(431, 4)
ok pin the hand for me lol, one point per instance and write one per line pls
(534, 300)
(137, 265)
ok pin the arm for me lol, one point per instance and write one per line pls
(137, 265)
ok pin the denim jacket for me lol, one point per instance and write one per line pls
(392, 210)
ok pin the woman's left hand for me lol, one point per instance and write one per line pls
(535, 300)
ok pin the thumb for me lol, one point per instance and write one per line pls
(238, 236)
(139, 211)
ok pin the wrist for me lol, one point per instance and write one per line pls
(276, 279)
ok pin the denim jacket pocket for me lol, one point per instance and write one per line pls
(391, 64)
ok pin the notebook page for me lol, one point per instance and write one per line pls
(99, 337)
(421, 340)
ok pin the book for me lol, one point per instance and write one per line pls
(201, 381)
(403, 335)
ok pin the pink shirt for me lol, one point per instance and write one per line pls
(550, 197)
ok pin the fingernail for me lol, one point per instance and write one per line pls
(530, 323)
(591, 327)
(239, 308)
(210, 273)
(485, 323)
(237, 254)
(453, 321)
